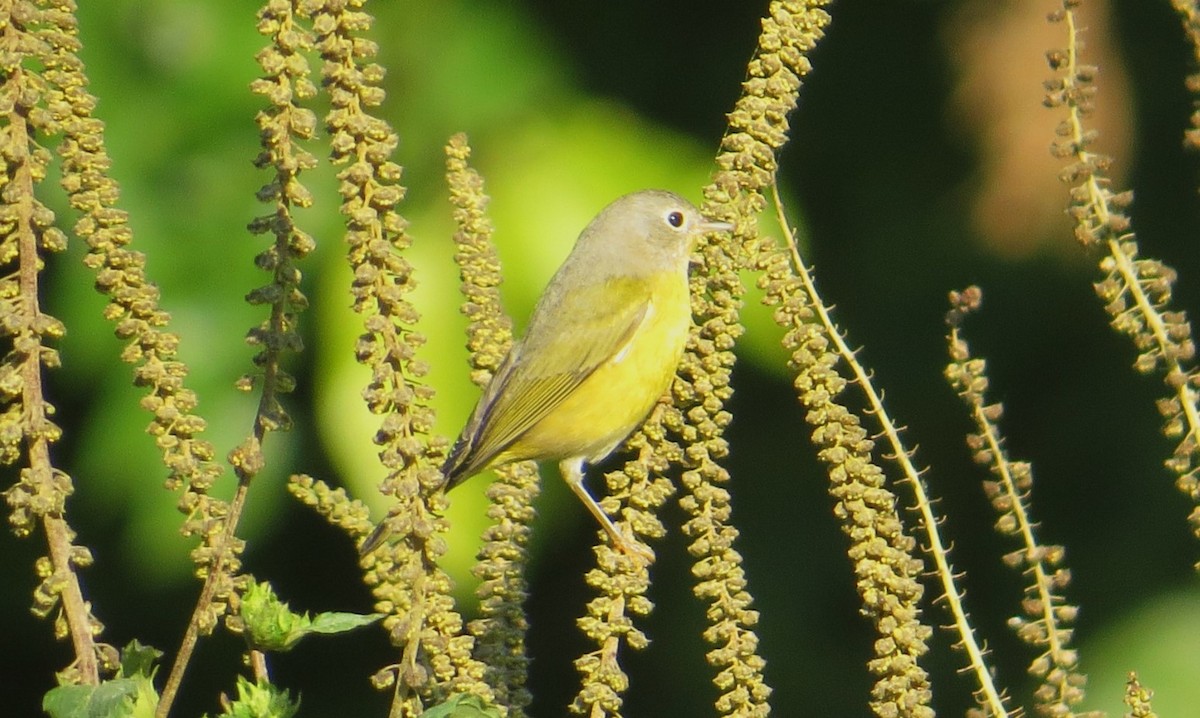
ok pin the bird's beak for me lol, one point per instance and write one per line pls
(710, 225)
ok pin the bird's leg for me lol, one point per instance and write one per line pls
(572, 473)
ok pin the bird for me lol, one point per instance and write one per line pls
(600, 350)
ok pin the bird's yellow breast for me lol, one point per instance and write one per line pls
(615, 399)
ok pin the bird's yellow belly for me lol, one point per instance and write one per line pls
(612, 402)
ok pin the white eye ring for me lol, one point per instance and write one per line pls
(675, 219)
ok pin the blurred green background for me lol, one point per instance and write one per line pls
(918, 164)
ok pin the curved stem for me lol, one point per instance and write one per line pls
(33, 400)
(188, 645)
(937, 549)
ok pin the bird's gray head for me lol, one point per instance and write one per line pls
(647, 231)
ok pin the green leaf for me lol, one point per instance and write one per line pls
(462, 706)
(341, 622)
(270, 625)
(139, 660)
(111, 699)
(260, 700)
(146, 703)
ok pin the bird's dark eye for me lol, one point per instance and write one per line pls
(675, 219)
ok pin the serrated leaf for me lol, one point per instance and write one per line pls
(111, 699)
(462, 706)
(139, 660)
(145, 705)
(261, 700)
(341, 622)
(67, 701)
(270, 624)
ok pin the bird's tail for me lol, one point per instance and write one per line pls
(375, 539)
(454, 472)
(458, 465)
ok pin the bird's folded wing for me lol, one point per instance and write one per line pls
(544, 368)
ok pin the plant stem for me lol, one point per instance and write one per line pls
(37, 427)
(188, 645)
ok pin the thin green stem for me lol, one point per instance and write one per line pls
(936, 548)
(192, 634)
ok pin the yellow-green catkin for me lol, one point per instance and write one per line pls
(283, 124)
(883, 555)
(501, 629)
(881, 550)
(1046, 618)
(747, 162)
(409, 587)
(350, 515)
(637, 492)
(621, 582)
(1137, 292)
(758, 127)
(134, 309)
(43, 83)
(1137, 698)
(140, 322)
(1189, 14)
(27, 232)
